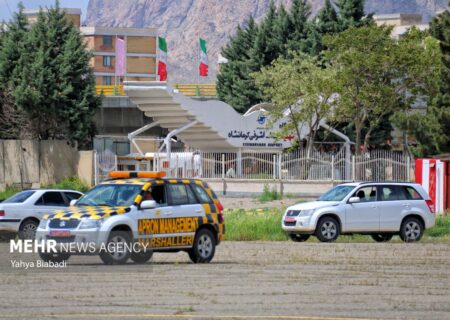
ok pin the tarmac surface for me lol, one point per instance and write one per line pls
(246, 280)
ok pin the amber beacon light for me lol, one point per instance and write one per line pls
(137, 174)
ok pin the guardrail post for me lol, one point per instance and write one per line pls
(274, 167)
(95, 167)
(223, 165)
(332, 168)
(280, 158)
(408, 168)
(353, 168)
(239, 164)
(176, 167)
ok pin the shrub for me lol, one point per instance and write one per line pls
(9, 192)
(72, 183)
(269, 195)
(256, 224)
(441, 228)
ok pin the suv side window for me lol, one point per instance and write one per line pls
(158, 194)
(52, 198)
(180, 194)
(366, 194)
(201, 194)
(392, 193)
(412, 194)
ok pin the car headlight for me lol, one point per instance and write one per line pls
(306, 213)
(43, 224)
(292, 213)
(90, 224)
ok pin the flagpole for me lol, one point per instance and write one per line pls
(198, 65)
(158, 77)
(125, 62)
(115, 68)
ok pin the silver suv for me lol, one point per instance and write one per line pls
(379, 209)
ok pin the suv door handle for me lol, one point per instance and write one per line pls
(198, 211)
(374, 206)
(168, 212)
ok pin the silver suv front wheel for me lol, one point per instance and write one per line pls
(327, 229)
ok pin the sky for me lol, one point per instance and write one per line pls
(7, 7)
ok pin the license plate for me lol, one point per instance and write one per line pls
(60, 233)
(287, 219)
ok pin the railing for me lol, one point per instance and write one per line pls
(109, 90)
(197, 90)
(189, 90)
(377, 165)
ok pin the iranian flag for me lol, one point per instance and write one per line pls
(162, 64)
(203, 59)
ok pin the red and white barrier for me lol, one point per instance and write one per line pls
(430, 173)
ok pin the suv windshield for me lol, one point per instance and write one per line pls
(111, 195)
(336, 194)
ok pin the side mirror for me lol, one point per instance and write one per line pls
(354, 200)
(148, 204)
(73, 202)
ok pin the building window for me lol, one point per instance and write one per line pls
(107, 80)
(107, 61)
(107, 41)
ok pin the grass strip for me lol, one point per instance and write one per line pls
(265, 225)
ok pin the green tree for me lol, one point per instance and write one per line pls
(279, 33)
(301, 87)
(378, 76)
(283, 28)
(267, 46)
(351, 14)
(435, 137)
(300, 26)
(234, 83)
(327, 20)
(54, 83)
(13, 120)
(12, 45)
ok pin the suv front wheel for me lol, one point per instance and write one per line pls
(204, 247)
(117, 248)
(411, 230)
(54, 257)
(327, 229)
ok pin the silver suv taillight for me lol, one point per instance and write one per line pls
(430, 206)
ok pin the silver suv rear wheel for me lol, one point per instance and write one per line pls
(411, 230)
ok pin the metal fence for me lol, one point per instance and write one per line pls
(104, 162)
(376, 165)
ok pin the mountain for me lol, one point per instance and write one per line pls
(183, 21)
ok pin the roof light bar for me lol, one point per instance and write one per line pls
(137, 174)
